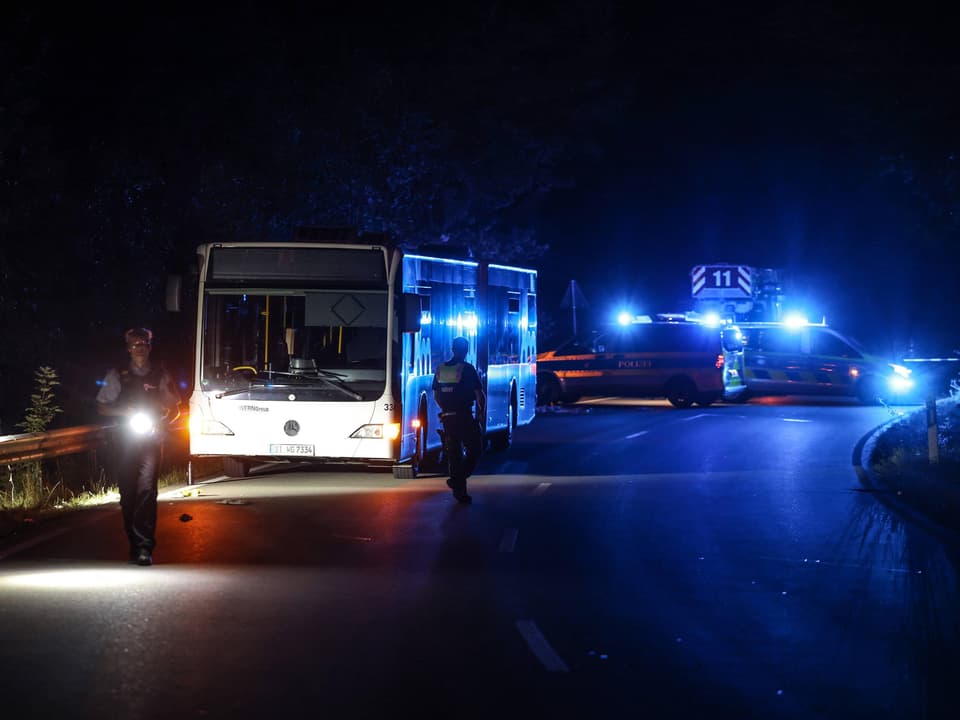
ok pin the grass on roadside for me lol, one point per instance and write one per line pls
(901, 462)
(28, 497)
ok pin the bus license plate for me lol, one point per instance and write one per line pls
(291, 450)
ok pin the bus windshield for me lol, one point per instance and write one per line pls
(326, 345)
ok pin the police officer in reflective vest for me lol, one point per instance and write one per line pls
(456, 385)
(143, 395)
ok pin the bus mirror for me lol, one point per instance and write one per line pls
(174, 292)
(409, 313)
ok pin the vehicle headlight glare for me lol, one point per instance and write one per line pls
(901, 370)
(899, 384)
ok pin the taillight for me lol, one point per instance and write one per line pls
(720, 361)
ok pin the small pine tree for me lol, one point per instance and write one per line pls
(42, 407)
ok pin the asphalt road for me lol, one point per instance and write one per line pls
(622, 560)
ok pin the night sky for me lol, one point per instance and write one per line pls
(594, 140)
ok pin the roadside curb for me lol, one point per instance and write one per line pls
(891, 497)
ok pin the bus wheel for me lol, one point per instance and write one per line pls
(235, 467)
(504, 439)
(421, 459)
(681, 392)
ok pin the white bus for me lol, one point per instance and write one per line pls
(325, 351)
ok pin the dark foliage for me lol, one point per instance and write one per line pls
(130, 135)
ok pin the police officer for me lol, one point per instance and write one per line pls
(456, 386)
(141, 392)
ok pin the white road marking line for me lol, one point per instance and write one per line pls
(695, 417)
(359, 538)
(541, 488)
(637, 434)
(540, 647)
(509, 540)
(796, 420)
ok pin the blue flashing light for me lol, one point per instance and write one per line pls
(712, 319)
(624, 318)
(899, 384)
(469, 322)
(795, 320)
(426, 318)
(464, 322)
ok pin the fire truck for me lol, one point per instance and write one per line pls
(738, 293)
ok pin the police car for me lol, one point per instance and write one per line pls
(784, 358)
(685, 362)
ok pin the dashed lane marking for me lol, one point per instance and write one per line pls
(509, 540)
(541, 488)
(539, 646)
(637, 434)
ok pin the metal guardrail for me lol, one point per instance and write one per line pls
(54, 443)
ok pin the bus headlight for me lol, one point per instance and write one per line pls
(377, 431)
(201, 426)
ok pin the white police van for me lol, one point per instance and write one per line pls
(782, 358)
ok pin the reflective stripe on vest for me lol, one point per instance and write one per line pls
(448, 376)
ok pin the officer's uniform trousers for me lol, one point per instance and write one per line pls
(137, 474)
(462, 445)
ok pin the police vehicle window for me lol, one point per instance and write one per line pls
(684, 338)
(779, 340)
(628, 340)
(573, 347)
(825, 343)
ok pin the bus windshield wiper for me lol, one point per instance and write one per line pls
(328, 377)
(333, 381)
(251, 384)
